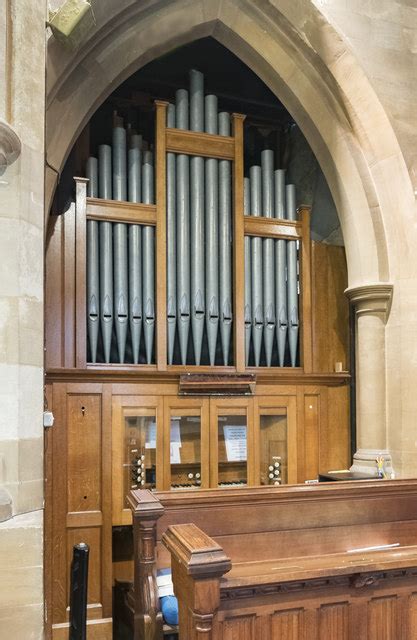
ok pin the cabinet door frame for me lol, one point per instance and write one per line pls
(187, 407)
(269, 404)
(228, 406)
(145, 405)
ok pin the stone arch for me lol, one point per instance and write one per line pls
(298, 55)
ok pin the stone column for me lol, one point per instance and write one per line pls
(371, 303)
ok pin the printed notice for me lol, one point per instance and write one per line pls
(175, 444)
(235, 441)
(151, 436)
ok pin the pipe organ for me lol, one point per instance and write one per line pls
(192, 329)
(200, 211)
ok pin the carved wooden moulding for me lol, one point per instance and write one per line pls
(200, 384)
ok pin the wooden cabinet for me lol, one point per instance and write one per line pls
(177, 443)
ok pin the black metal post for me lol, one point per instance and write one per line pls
(78, 594)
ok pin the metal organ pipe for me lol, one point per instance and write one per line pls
(248, 277)
(183, 229)
(256, 265)
(93, 284)
(225, 243)
(171, 243)
(280, 269)
(106, 252)
(120, 241)
(292, 286)
(212, 246)
(135, 247)
(197, 293)
(148, 253)
(267, 162)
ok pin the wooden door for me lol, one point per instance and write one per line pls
(275, 440)
(186, 443)
(231, 442)
(137, 460)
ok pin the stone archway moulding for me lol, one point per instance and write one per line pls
(299, 56)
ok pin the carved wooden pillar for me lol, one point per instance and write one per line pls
(198, 563)
(372, 304)
(146, 511)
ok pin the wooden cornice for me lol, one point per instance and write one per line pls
(148, 374)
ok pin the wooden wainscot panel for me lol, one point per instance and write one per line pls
(330, 307)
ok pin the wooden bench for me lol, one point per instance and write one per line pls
(285, 563)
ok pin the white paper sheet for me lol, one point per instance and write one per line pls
(235, 441)
(151, 436)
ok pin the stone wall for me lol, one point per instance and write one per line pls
(22, 106)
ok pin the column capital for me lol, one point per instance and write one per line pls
(371, 298)
(10, 145)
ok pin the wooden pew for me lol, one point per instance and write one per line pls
(277, 563)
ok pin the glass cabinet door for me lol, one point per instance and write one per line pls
(136, 450)
(230, 428)
(186, 444)
(275, 436)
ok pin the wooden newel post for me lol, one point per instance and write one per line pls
(146, 511)
(198, 563)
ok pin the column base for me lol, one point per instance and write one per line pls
(364, 461)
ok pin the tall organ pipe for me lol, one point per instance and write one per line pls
(93, 284)
(106, 252)
(292, 285)
(267, 162)
(212, 246)
(248, 275)
(120, 242)
(171, 244)
(225, 243)
(197, 292)
(256, 265)
(148, 254)
(183, 229)
(135, 247)
(280, 270)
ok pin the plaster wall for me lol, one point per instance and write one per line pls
(22, 105)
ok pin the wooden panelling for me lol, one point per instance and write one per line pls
(330, 307)
(311, 435)
(334, 621)
(334, 448)
(287, 625)
(382, 619)
(84, 453)
(241, 628)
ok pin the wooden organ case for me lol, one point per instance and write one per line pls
(159, 420)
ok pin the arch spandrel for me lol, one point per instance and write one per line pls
(309, 82)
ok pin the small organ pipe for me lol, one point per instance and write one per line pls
(197, 292)
(212, 246)
(120, 241)
(106, 286)
(148, 253)
(171, 244)
(267, 161)
(256, 266)
(292, 286)
(92, 175)
(134, 169)
(248, 277)
(183, 229)
(280, 270)
(135, 246)
(105, 172)
(93, 285)
(225, 243)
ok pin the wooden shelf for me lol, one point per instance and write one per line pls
(200, 144)
(272, 228)
(120, 211)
